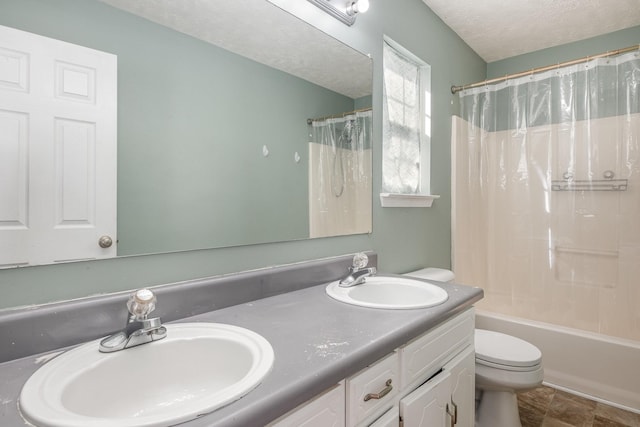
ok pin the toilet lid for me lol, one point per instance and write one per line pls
(495, 347)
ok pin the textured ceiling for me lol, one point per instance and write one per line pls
(261, 31)
(498, 29)
(495, 29)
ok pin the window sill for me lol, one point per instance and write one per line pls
(393, 200)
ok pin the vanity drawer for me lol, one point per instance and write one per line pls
(425, 355)
(372, 391)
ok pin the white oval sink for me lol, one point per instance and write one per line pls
(390, 293)
(196, 369)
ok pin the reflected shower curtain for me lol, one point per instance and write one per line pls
(546, 195)
(340, 176)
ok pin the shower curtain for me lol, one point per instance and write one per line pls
(340, 175)
(546, 196)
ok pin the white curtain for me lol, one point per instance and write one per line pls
(401, 127)
(546, 194)
(340, 176)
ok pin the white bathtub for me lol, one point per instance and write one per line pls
(599, 367)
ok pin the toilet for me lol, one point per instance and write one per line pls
(504, 365)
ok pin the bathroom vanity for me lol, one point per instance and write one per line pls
(427, 382)
(333, 361)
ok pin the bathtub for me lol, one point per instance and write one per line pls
(602, 368)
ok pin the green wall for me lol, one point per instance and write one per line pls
(405, 238)
(192, 121)
(566, 52)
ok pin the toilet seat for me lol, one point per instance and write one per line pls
(502, 351)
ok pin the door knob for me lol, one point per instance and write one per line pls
(105, 242)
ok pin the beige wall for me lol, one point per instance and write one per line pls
(570, 258)
(350, 212)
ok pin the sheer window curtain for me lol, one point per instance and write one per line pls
(541, 246)
(401, 127)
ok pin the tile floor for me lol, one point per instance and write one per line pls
(548, 407)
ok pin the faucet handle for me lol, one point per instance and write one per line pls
(360, 260)
(141, 303)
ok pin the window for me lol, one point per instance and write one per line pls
(406, 126)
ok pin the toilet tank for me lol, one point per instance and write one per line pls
(438, 274)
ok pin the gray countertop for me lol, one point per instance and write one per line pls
(317, 342)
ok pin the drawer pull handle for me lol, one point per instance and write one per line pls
(382, 393)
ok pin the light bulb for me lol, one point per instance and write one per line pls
(357, 6)
(362, 6)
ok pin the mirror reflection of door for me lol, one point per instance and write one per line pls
(58, 146)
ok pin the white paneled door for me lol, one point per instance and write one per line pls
(58, 145)
(427, 405)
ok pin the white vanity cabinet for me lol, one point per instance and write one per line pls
(325, 410)
(438, 375)
(463, 387)
(428, 382)
(447, 399)
(372, 391)
(428, 405)
(391, 418)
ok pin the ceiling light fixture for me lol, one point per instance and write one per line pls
(343, 10)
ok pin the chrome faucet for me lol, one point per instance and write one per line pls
(139, 328)
(358, 272)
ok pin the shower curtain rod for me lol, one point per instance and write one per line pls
(456, 89)
(337, 116)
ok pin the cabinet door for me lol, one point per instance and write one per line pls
(427, 354)
(391, 418)
(462, 369)
(427, 405)
(326, 410)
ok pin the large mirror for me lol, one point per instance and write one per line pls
(214, 144)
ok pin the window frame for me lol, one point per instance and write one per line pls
(422, 198)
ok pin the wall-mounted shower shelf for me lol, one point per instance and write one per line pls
(590, 185)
